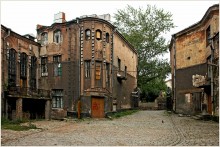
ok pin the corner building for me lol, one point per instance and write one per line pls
(87, 65)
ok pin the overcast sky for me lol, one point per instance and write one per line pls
(23, 16)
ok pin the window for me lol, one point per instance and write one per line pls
(125, 71)
(119, 64)
(44, 71)
(44, 38)
(57, 65)
(98, 73)
(57, 98)
(107, 37)
(87, 69)
(57, 36)
(23, 65)
(12, 68)
(208, 35)
(88, 34)
(107, 75)
(209, 67)
(98, 34)
(33, 72)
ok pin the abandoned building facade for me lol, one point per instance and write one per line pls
(194, 57)
(84, 65)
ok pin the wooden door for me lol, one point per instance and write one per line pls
(209, 104)
(98, 108)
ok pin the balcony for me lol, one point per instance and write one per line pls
(121, 76)
(28, 92)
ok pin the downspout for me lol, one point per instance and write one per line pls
(3, 71)
(174, 72)
(79, 98)
(211, 70)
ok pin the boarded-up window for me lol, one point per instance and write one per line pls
(98, 34)
(188, 97)
(98, 73)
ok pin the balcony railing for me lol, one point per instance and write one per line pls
(27, 91)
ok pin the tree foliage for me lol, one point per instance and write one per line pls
(143, 28)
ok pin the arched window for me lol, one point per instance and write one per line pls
(107, 37)
(44, 38)
(11, 67)
(87, 34)
(98, 34)
(57, 36)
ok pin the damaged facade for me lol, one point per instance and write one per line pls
(85, 64)
(21, 96)
(193, 65)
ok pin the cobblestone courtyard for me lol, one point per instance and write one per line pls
(144, 128)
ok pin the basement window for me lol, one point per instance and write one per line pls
(57, 98)
(98, 34)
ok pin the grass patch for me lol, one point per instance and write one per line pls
(16, 125)
(122, 113)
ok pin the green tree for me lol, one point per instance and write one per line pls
(144, 28)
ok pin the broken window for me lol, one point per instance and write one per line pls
(98, 34)
(44, 38)
(57, 65)
(44, 70)
(98, 73)
(87, 69)
(88, 34)
(119, 64)
(107, 75)
(12, 68)
(57, 98)
(23, 65)
(107, 37)
(208, 35)
(57, 36)
(33, 69)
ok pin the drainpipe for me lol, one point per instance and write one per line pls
(79, 103)
(211, 69)
(174, 73)
(3, 71)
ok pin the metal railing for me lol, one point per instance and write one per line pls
(28, 91)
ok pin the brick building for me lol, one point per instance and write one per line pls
(85, 64)
(20, 95)
(190, 53)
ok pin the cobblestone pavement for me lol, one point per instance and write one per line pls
(144, 128)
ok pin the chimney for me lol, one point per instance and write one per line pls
(59, 17)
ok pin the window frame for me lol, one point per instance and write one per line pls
(44, 66)
(100, 35)
(12, 67)
(87, 36)
(208, 35)
(33, 69)
(57, 36)
(57, 98)
(87, 70)
(23, 65)
(57, 68)
(107, 37)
